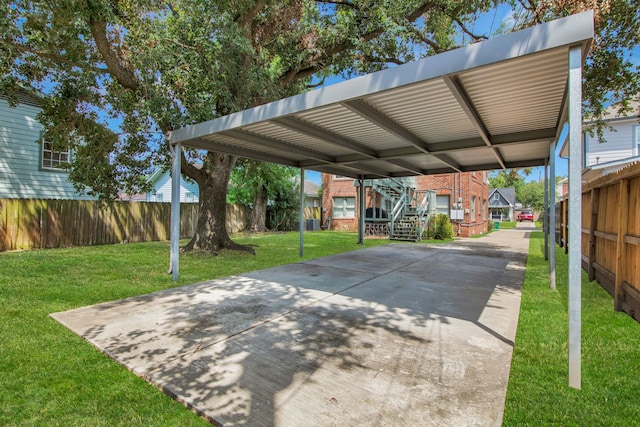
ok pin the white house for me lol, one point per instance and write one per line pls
(621, 142)
(620, 147)
(161, 182)
(28, 169)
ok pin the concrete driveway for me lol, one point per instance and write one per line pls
(404, 334)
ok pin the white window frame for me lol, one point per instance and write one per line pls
(53, 158)
(636, 140)
(586, 150)
(344, 207)
(496, 197)
(473, 207)
(441, 207)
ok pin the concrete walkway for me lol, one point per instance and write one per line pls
(404, 334)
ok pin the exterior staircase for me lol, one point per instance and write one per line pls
(410, 209)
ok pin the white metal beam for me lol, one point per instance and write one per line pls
(302, 224)
(545, 219)
(575, 215)
(175, 212)
(459, 93)
(361, 210)
(552, 216)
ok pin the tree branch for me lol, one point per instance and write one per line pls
(320, 60)
(56, 58)
(125, 77)
(338, 2)
(190, 170)
(468, 32)
(372, 58)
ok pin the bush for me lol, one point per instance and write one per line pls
(439, 227)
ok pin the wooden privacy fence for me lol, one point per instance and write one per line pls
(610, 235)
(34, 223)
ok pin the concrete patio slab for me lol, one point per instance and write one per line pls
(404, 334)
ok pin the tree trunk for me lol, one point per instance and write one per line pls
(258, 216)
(211, 231)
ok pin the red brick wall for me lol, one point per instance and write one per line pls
(338, 187)
(465, 184)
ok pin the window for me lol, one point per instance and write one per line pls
(442, 204)
(340, 177)
(473, 207)
(344, 207)
(636, 140)
(189, 197)
(52, 159)
(159, 197)
(585, 149)
(496, 197)
(484, 209)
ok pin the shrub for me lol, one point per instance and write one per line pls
(439, 227)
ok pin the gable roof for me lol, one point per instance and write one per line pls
(509, 194)
(311, 188)
(492, 105)
(25, 96)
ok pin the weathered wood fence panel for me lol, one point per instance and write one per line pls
(610, 235)
(31, 224)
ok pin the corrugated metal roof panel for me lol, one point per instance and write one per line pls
(510, 89)
(340, 120)
(428, 110)
(519, 95)
(539, 150)
(288, 136)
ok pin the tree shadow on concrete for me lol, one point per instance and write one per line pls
(373, 349)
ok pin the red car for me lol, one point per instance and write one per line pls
(525, 216)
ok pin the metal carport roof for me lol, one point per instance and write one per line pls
(494, 104)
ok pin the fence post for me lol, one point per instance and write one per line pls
(595, 202)
(623, 215)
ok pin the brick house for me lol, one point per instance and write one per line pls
(463, 195)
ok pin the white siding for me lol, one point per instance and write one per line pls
(618, 145)
(20, 155)
(162, 188)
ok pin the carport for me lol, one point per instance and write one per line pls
(501, 103)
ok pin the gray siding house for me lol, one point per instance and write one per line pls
(29, 170)
(502, 202)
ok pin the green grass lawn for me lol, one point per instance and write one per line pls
(538, 393)
(49, 376)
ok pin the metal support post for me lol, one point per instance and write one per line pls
(575, 214)
(545, 214)
(361, 210)
(301, 251)
(552, 216)
(175, 211)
